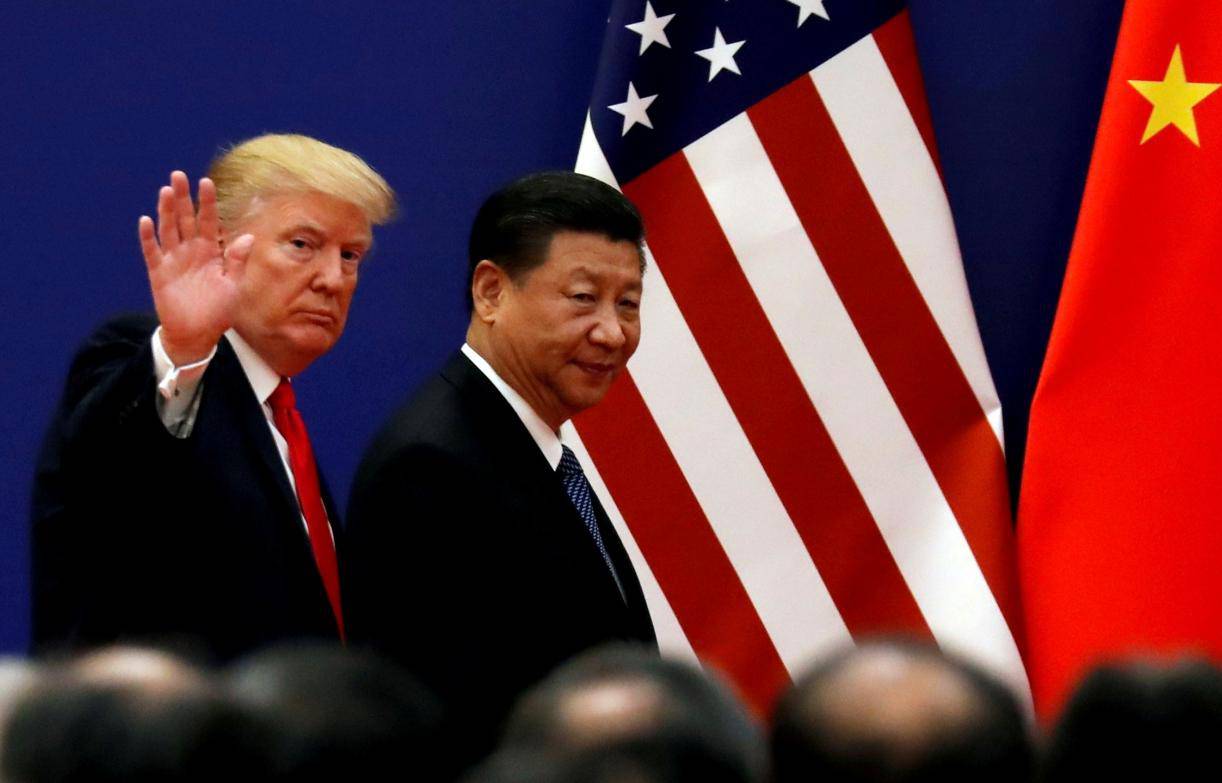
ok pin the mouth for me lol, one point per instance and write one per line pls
(318, 317)
(597, 369)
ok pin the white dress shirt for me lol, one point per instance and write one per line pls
(179, 390)
(546, 438)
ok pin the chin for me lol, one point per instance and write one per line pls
(315, 340)
(304, 353)
(587, 398)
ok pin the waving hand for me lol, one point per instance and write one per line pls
(195, 283)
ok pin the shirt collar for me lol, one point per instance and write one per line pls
(545, 437)
(263, 379)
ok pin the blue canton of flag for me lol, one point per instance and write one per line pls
(766, 44)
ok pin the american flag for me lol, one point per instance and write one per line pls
(806, 448)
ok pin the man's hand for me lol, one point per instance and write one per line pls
(195, 284)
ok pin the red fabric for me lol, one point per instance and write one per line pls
(305, 474)
(1120, 534)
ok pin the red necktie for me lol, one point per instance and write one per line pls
(305, 476)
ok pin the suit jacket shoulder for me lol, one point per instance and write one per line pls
(139, 535)
(468, 562)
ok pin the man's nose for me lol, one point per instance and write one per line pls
(608, 331)
(329, 275)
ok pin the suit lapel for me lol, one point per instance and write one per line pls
(529, 468)
(634, 597)
(231, 404)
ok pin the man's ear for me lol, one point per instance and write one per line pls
(489, 285)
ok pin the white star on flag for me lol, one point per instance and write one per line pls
(721, 54)
(633, 108)
(809, 8)
(652, 28)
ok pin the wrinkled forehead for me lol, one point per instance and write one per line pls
(594, 256)
(566, 237)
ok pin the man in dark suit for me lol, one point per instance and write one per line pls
(177, 499)
(477, 554)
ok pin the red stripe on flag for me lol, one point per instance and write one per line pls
(895, 41)
(893, 320)
(771, 404)
(681, 548)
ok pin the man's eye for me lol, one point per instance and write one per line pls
(630, 304)
(299, 243)
(350, 256)
(583, 297)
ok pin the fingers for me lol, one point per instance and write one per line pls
(148, 243)
(236, 254)
(167, 223)
(184, 210)
(209, 222)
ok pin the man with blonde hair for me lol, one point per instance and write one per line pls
(177, 499)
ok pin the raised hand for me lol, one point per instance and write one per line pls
(195, 284)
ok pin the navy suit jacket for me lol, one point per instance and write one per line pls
(467, 562)
(139, 536)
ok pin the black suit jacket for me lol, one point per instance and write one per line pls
(144, 537)
(467, 561)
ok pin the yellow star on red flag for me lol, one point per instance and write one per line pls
(1173, 99)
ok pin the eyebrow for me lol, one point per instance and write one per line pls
(312, 228)
(585, 271)
(317, 230)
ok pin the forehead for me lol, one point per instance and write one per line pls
(578, 253)
(312, 211)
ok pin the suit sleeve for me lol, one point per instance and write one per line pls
(105, 434)
(425, 586)
(395, 586)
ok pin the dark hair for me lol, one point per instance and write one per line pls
(340, 714)
(1140, 721)
(515, 225)
(814, 738)
(686, 709)
(517, 766)
(662, 756)
(68, 729)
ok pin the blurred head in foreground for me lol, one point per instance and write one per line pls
(646, 712)
(17, 677)
(340, 714)
(1135, 720)
(129, 715)
(899, 711)
(664, 756)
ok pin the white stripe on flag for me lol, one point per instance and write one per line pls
(838, 374)
(590, 158)
(894, 163)
(746, 515)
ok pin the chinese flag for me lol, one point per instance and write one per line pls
(1120, 518)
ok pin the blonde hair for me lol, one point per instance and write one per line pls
(288, 163)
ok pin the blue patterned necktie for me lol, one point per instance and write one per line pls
(578, 490)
